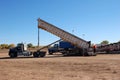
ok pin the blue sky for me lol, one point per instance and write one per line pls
(94, 20)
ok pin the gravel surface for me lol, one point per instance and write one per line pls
(100, 67)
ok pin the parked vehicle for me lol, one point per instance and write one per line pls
(110, 48)
(19, 50)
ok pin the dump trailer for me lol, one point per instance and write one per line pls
(82, 47)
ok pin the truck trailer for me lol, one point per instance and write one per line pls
(77, 46)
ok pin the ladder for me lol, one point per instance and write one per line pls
(64, 35)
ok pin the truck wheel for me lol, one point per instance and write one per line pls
(50, 53)
(35, 54)
(94, 54)
(42, 54)
(13, 55)
(86, 54)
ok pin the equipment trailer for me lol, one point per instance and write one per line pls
(113, 48)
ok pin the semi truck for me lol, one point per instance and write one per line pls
(19, 50)
(61, 46)
(67, 48)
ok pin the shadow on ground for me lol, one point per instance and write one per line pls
(48, 56)
(28, 57)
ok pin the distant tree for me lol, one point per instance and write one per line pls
(0, 47)
(4, 46)
(11, 45)
(105, 42)
(30, 45)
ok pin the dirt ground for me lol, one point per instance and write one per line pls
(100, 67)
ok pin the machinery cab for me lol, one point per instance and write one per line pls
(53, 49)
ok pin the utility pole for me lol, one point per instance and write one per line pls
(38, 37)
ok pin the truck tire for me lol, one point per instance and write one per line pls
(50, 53)
(35, 54)
(42, 54)
(86, 54)
(13, 55)
(95, 54)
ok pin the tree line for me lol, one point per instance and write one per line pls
(30, 45)
(7, 46)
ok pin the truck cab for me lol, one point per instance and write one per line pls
(19, 50)
(53, 49)
(60, 47)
